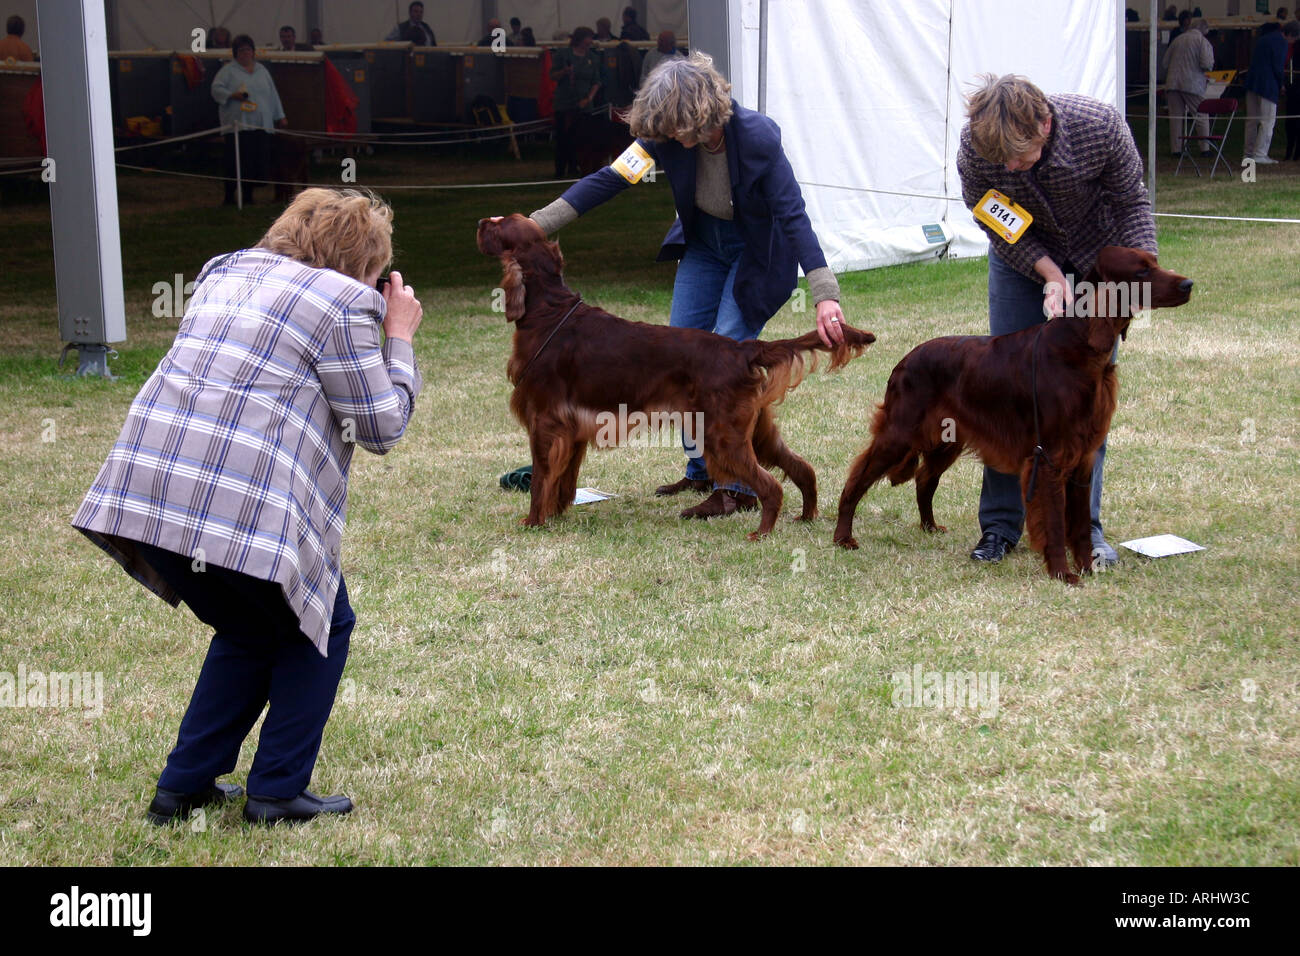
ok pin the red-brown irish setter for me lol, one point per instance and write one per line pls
(573, 364)
(1037, 403)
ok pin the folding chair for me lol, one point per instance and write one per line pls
(1217, 110)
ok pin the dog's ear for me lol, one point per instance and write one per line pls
(1119, 264)
(512, 282)
(557, 258)
(543, 259)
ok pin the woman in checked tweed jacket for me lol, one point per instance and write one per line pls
(227, 487)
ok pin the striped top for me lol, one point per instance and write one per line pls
(1085, 192)
(236, 450)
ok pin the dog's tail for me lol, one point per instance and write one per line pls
(785, 364)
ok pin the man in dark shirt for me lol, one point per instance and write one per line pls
(414, 29)
(631, 29)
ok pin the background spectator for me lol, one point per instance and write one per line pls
(516, 37)
(493, 25)
(577, 74)
(666, 50)
(631, 29)
(317, 38)
(12, 46)
(1263, 89)
(1292, 90)
(288, 38)
(1185, 62)
(413, 29)
(604, 32)
(1184, 24)
(527, 37)
(247, 98)
(218, 38)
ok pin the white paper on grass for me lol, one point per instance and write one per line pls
(586, 496)
(1161, 545)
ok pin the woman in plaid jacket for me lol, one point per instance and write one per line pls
(227, 487)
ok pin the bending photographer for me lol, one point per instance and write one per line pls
(227, 488)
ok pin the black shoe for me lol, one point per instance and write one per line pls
(992, 548)
(168, 805)
(305, 806)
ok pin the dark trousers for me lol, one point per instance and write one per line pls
(257, 655)
(566, 144)
(254, 160)
(1016, 303)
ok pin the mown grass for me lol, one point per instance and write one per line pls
(623, 687)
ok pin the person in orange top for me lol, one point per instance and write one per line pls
(12, 46)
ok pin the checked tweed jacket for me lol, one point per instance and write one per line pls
(1085, 192)
(236, 450)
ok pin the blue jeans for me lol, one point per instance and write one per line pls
(1016, 303)
(702, 299)
(257, 655)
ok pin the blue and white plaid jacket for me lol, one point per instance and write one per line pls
(236, 450)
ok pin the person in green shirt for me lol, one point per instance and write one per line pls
(578, 78)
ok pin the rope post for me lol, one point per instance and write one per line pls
(239, 176)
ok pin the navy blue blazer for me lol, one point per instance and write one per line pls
(766, 200)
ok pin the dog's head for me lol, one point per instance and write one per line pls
(525, 254)
(1127, 280)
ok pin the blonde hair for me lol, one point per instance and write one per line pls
(682, 98)
(1006, 116)
(347, 230)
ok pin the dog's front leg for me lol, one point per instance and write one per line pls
(1045, 515)
(1078, 515)
(550, 457)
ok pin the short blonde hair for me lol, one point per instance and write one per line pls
(681, 98)
(1006, 116)
(347, 230)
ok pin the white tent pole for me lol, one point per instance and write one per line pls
(1151, 106)
(239, 176)
(762, 56)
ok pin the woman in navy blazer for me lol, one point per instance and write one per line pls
(741, 231)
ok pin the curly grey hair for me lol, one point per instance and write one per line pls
(682, 98)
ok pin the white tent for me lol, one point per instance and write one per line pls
(869, 95)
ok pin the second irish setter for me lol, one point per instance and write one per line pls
(1036, 403)
(574, 363)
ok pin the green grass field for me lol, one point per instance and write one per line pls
(625, 687)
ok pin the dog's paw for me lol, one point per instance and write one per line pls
(934, 528)
(848, 544)
(756, 535)
(808, 516)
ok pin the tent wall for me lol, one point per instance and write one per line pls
(869, 94)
